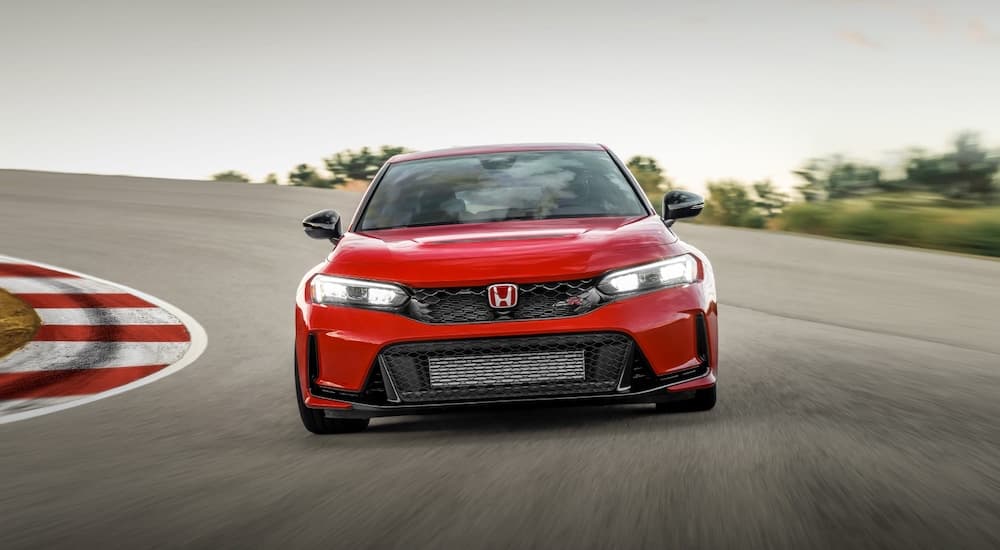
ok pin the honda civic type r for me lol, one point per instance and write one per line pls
(500, 275)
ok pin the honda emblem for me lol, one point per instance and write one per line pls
(503, 296)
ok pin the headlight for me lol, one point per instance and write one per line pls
(673, 272)
(352, 292)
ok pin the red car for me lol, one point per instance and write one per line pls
(500, 275)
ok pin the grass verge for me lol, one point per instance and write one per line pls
(966, 230)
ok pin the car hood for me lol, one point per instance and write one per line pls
(513, 251)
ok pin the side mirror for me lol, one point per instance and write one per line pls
(324, 224)
(682, 204)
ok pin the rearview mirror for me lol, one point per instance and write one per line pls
(682, 204)
(324, 224)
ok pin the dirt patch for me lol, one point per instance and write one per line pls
(358, 186)
(18, 323)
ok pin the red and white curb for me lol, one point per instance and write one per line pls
(97, 339)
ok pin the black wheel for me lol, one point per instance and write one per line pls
(703, 400)
(316, 422)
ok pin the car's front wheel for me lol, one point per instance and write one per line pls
(703, 400)
(316, 422)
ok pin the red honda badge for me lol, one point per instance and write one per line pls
(503, 296)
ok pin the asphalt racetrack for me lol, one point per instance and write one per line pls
(859, 405)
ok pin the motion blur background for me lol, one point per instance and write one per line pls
(881, 113)
(859, 382)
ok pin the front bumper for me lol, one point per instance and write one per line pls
(674, 351)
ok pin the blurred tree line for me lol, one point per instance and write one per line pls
(730, 202)
(231, 175)
(338, 169)
(966, 173)
(965, 176)
(345, 166)
(932, 200)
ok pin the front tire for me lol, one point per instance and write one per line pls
(703, 400)
(316, 422)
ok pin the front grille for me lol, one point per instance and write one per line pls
(503, 368)
(471, 305)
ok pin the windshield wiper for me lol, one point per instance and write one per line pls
(522, 217)
(426, 224)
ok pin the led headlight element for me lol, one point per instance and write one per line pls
(353, 292)
(676, 271)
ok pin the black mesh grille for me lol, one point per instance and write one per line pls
(642, 375)
(501, 368)
(535, 301)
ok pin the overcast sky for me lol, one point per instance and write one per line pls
(711, 88)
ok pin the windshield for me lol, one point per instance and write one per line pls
(535, 185)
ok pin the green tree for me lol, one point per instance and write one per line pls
(306, 176)
(231, 175)
(361, 164)
(729, 203)
(271, 179)
(836, 178)
(770, 200)
(388, 151)
(968, 172)
(649, 174)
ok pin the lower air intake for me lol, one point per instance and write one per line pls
(504, 368)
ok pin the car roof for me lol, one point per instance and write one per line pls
(500, 148)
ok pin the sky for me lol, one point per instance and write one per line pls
(712, 89)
